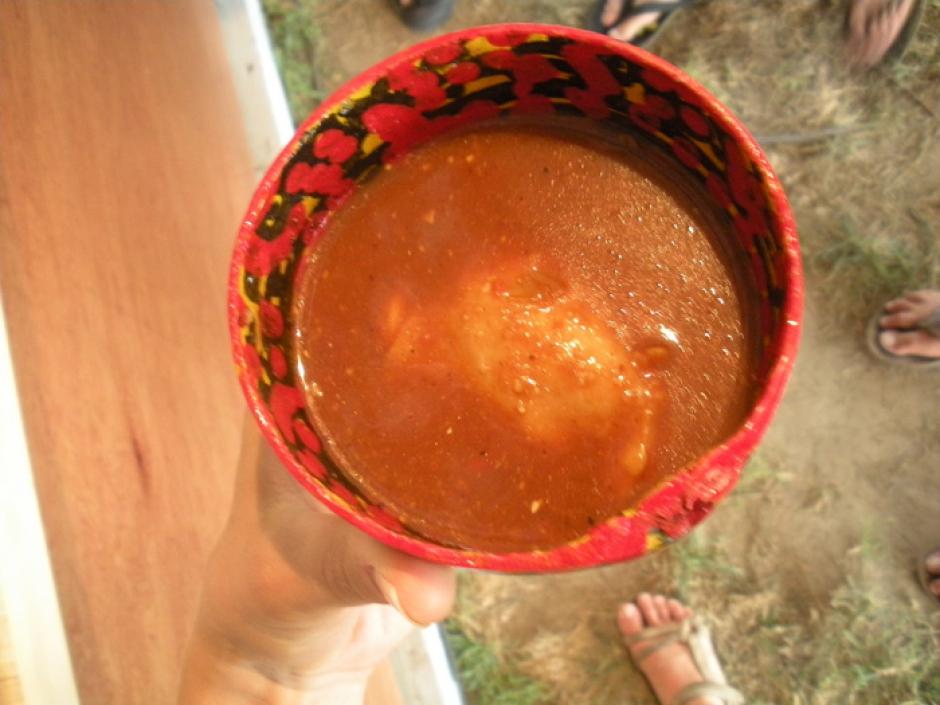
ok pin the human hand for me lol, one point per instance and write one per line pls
(298, 606)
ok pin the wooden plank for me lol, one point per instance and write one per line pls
(39, 653)
(123, 173)
(10, 693)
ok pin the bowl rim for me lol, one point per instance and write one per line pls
(731, 454)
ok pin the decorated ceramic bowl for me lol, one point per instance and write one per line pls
(449, 82)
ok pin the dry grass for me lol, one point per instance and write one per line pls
(858, 153)
(863, 643)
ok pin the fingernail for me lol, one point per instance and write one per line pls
(629, 611)
(391, 597)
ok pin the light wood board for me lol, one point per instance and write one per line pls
(123, 174)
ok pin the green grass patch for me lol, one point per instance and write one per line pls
(698, 560)
(873, 650)
(296, 39)
(862, 272)
(485, 679)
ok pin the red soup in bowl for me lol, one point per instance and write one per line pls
(520, 298)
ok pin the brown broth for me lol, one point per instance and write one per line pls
(514, 332)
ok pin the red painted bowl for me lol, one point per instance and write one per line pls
(442, 84)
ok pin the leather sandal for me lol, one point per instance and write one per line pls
(929, 324)
(881, 9)
(695, 635)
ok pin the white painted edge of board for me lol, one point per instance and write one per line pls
(277, 98)
(448, 688)
(37, 634)
(263, 103)
(246, 39)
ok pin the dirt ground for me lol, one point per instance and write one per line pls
(807, 572)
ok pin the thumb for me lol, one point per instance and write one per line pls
(423, 592)
(354, 569)
(346, 564)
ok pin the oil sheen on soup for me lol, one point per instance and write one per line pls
(511, 334)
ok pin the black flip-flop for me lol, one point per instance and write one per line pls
(929, 325)
(425, 15)
(630, 9)
(900, 43)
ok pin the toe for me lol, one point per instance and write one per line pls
(632, 28)
(677, 611)
(932, 563)
(934, 586)
(629, 619)
(912, 343)
(896, 305)
(904, 318)
(648, 609)
(662, 609)
(612, 10)
(888, 339)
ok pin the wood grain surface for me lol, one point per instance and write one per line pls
(123, 174)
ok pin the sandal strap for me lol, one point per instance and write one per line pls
(662, 636)
(658, 645)
(663, 631)
(723, 694)
(695, 634)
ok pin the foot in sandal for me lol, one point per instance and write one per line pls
(673, 649)
(876, 30)
(907, 330)
(633, 21)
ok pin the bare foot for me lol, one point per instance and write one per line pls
(669, 669)
(633, 27)
(903, 322)
(873, 27)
